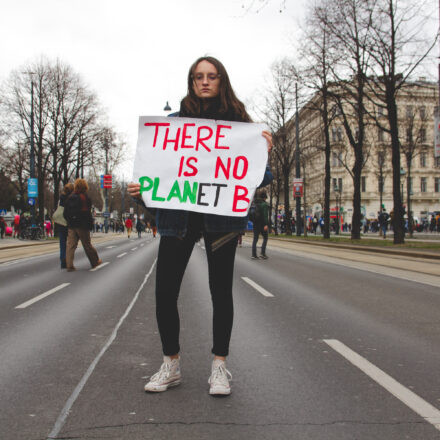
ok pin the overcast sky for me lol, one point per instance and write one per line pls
(135, 54)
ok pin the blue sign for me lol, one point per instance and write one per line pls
(3, 212)
(106, 214)
(31, 201)
(32, 187)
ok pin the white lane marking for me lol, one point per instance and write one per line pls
(71, 400)
(42, 296)
(142, 244)
(110, 247)
(134, 248)
(100, 266)
(409, 398)
(203, 247)
(257, 287)
(121, 255)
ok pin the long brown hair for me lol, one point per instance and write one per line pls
(229, 105)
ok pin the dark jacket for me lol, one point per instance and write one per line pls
(174, 222)
(262, 218)
(77, 211)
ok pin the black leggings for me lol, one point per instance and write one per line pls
(174, 254)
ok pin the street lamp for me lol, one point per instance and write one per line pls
(337, 195)
(167, 108)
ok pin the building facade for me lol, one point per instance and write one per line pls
(420, 170)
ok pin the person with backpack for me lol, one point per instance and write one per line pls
(260, 223)
(383, 222)
(77, 212)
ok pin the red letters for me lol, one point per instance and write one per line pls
(240, 197)
(157, 125)
(176, 141)
(218, 135)
(201, 139)
(219, 164)
(245, 167)
(185, 136)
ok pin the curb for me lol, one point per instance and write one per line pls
(47, 242)
(400, 252)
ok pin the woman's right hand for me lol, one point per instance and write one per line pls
(134, 189)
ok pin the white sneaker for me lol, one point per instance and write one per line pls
(219, 380)
(167, 376)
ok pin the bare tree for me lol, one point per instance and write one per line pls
(398, 47)
(349, 23)
(278, 110)
(318, 56)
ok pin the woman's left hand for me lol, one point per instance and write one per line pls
(268, 136)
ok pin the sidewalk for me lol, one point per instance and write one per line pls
(432, 254)
(14, 249)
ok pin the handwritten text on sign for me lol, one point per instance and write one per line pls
(199, 165)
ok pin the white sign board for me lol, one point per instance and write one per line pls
(199, 165)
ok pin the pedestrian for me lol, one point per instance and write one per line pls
(209, 96)
(383, 222)
(139, 227)
(2, 226)
(61, 222)
(129, 225)
(16, 226)
(77, 211)
(261, 224)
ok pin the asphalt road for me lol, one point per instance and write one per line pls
(337, 352)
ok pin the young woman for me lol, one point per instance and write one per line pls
(77, 211)
(210, 96)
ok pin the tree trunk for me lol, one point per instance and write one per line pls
(326, 231)
(286, 176)
(356, 220)
(397, 218)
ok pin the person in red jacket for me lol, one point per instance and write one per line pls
(129, 225)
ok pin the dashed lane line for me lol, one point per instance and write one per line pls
(42, 296)
(408, 397)
(76, 392)
(100, 266)
(257, 287)
(121, 255)
(134, 248)
(110, 247)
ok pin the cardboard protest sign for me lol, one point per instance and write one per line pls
(199, 165)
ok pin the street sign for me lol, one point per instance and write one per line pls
(298, 187)
(106, 214)
(31, 201)
(106, 181)
(32, 187)
(3, 212)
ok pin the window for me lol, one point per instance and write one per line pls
(423, 184)
(410, 184)
(423, 159)
(437, 184)
(422, 113)
(380, 111)
(380, 135)
(334, 138)
(409, 135)
(437, 162)
(409, 111)
(363, 184)
(339, 132)
(337, 183)
(422, 135)
(380, 182)
(336, 159)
